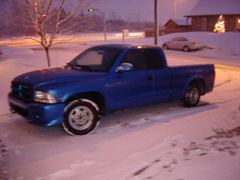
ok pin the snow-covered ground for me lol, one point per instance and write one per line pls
(164, 141)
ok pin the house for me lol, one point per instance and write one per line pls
(206, 13)
(177, 24)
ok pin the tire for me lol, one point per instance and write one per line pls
(192, 95)
(186, 49)
(165, 47)
(79, 118)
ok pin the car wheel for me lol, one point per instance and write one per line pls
(79, 118)
(186, 49)
(165, 47)
(192, 95)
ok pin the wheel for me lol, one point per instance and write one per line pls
(192, 95)
(186, 49)
(79, 118)
(165, 47)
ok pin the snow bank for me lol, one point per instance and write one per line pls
(163, 141)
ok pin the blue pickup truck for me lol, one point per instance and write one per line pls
(104, 79)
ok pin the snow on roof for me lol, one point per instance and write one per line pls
(215, 7)
(180, 21)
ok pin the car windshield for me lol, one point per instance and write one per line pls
(98, 59)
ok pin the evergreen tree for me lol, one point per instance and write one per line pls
(220, 25)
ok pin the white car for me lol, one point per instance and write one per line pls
(183, 43)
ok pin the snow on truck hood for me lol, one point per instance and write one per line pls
(55, 75)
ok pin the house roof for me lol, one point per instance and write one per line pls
(181, 22)
(215, 7)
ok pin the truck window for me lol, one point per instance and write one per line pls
(136, 58)
(97, 59)
(154, 59)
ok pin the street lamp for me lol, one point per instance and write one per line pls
(175, 9)
(104, 20)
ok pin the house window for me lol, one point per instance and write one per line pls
(238, 21)
(204, 24)
(237, 27)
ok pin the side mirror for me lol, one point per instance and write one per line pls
(124, 67)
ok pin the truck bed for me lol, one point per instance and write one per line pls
(183, 75)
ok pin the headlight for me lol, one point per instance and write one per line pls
(44, 97)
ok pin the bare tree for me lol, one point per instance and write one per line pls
(52, 18)
(3, 5)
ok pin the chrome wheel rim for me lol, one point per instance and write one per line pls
(193, 95)
(80, 118)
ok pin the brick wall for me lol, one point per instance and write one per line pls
(207, 23)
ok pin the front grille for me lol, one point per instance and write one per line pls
(22, 91)
(21, 111)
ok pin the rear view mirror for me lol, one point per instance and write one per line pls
(124, 67)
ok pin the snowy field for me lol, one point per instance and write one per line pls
(160, 142)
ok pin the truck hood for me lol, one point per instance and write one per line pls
(54, 76)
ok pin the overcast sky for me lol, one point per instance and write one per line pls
(144, 9)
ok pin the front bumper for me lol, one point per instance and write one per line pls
(38, 113)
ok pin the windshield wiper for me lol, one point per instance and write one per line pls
(84, 67)
(68, 66)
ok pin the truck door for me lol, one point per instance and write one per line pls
(161, 74)
(131, 88)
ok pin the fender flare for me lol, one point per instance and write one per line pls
(192, 79)
(83, 100)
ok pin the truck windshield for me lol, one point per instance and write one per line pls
(98, 59)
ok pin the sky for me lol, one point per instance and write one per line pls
(144, 9)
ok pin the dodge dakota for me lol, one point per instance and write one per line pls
(104, 79)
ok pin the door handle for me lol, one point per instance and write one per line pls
(150, 78)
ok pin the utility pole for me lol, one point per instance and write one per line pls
(104, 26)
(156, 22)
(104, 20)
